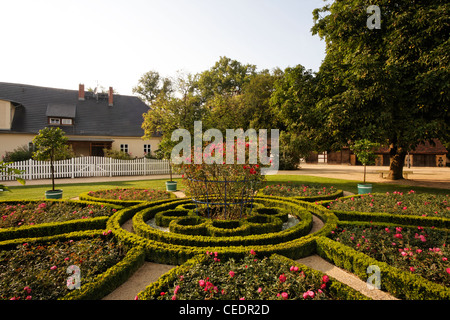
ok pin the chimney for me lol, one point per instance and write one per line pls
(110, 97)
(81, 92)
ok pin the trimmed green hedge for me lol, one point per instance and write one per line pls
(400, 284)
(393, 218)
(52, 228)
(111, 279)
(151, 292)
(337, 194)
(125, 203)
(161, 251)
(144, 230)
(104, 283)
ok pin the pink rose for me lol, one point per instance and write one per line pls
(231, 273)
(282, 278)
(284, 295)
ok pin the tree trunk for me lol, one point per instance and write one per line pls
(52, 170)
(397, 161)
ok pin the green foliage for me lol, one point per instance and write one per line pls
(364, 150)
(391, 84)
(5, 170)
(37, 271)
(21, 153)
(117, 154)
(51, 144)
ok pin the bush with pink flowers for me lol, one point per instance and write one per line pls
(250, 278)
(298, 191)
(38, 271)
(421, 251)
(27, 213)
(400, 203)
(131, 194)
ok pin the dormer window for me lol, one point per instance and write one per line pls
(60, 121)
(61, 114)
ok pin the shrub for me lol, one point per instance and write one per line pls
(418, 250)
(18, 213)
(210, 277)
(398, 203)
(37, 270)
(133, 194)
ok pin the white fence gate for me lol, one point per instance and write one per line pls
(88, 167)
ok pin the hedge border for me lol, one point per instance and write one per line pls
(142, 229)
(51, 228)
(152, 291)
(405, 219)
(125, 203)
(103, 283)
(339, 193)
(399, 283)
(207, 227)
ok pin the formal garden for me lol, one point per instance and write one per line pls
(231, 233)
(250, 254)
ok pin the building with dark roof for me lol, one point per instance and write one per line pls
(92, 121)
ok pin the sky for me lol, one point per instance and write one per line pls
(113, 43)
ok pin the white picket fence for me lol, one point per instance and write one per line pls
(88, 167)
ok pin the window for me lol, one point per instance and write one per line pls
(66, 121)
(147, 148)
(54, 120)
(60, 121)
(124, 148)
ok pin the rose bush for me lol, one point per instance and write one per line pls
(423, 251)
(131, 194)
(296, 190)
(250, 279)
(31, 213)
(423, 204)
(226, 187)
(38, 271)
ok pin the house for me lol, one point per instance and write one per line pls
(92, 121)
(424, 155)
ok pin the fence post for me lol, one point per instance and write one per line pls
(30, 169)
(72, 167)
(110, 167)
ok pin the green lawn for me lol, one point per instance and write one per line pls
(74, 189)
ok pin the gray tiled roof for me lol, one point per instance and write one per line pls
(92, 116)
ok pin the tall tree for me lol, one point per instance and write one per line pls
(390, 85)
(151, 85)
(293, 106)
(226, 77)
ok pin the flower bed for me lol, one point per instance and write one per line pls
(131, 194)
(422, 251)
(301, 192)
(16, 214)
(409, 203)
(252, 278)
(38, 270)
